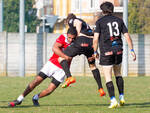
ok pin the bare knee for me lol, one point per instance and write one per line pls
(117, 70)
(92, 66)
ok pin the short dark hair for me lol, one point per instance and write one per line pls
(72, 31)
(107, 7)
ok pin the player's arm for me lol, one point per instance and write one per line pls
(130, 44)
(57, 50)
(95, 44)
(78, 24)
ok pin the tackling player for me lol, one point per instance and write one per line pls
(108, 35)
(52, 69)
(82, 45)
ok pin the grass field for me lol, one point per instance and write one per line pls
(82, 97)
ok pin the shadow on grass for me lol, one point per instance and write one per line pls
(2, 101)
(137, 105)
(65, 105)
(140, 105)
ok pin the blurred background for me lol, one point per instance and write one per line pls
(44, 22)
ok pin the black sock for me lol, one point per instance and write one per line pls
(110, 88)
(97, 77)
(120, 84)
(65, 66)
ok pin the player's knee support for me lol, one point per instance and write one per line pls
(56, 82)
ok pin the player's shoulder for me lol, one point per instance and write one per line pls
(109, 17)
(118, 18)
(101, 19)
(62, 38)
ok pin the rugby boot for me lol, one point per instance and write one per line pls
(14, 103)
(121, 100)
(101, 91)
(68, 81)
(35, 101)
(113, 103)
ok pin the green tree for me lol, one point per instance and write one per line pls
(139, 16)
(11, 16)
(30, 16)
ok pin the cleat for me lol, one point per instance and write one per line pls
(101, 91)
(121, 100)
(35, 102)
(14, 103)
(68, 81)
(114, 103)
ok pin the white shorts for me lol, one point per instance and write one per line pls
(52, 70)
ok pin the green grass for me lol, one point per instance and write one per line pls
(82, 97)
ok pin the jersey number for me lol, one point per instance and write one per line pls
(113, 26)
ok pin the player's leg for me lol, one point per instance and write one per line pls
(57, 75)
(70, 51)
(120, 83)
(53, 85)
(64, 64)
(96, 75)
(38, 79)
(66, 68)
(109, 84)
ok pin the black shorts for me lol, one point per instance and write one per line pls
(111, 59)
(82, 45)
(43, 75)
(54, 81)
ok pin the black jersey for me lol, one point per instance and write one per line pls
(110, 29)
(85, 28)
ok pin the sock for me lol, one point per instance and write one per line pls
(121, 96)
(110, 88)
(65, 66)
(20, 98)
(120, 84)
(97, 77)
(113, 99)
(36, 97)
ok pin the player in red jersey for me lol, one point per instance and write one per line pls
(51, 69)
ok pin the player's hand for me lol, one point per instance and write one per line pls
(96, 55)
(133, 55)
(90, 59)
(68, 58)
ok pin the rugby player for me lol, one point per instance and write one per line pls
(108, 35)
(82, 45)
(52, 69)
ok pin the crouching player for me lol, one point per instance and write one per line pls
(52, 69)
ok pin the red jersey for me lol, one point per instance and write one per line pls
(62, 39)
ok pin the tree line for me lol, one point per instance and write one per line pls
(11, 16)
(138, 16)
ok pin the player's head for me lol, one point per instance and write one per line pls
(70, 16)
(107, 7)
(71, 34)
